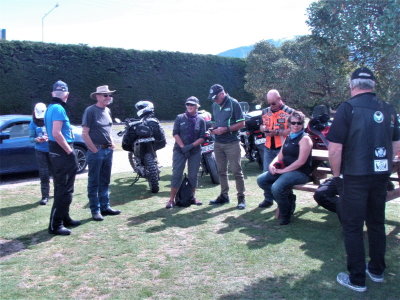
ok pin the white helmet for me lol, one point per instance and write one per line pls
(144, 107)
(40, 109)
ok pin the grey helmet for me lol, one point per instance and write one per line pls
(144, 107)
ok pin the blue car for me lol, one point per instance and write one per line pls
(17, 152)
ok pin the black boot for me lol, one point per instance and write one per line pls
(59, 230)
(222, 199)
(71, 223)
(241, 202)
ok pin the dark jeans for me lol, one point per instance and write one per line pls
(43, 160)
(269, 155)
(327, 195)
(64, 167)
(99, 176)
(364, 201)
(278, 187)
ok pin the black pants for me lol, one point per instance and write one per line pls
(43, 161)
(327, 195)
(364, 201)
(64, 168)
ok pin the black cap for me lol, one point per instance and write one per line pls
(60, 86)
(214, 91)
(193, 100)
(363, 73)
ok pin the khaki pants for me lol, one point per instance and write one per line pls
(229, 153)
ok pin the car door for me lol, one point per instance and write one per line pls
(17, 153)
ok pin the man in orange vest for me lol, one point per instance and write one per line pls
(275, 127)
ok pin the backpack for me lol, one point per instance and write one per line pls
(184, 197)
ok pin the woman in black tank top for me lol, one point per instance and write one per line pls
(290, 167)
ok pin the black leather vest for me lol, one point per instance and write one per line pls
(368, 147)
(290, 152)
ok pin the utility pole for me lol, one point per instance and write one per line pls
(46, 14)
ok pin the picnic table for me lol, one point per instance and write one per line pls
(322, 171)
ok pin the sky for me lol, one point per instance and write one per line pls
(192, 26)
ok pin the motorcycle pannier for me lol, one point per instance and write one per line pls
(143, 131)
(129, 138)
(253, 123)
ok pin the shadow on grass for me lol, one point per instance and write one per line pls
(7, 211)
(23, 242)
(314, 236)
(190, 219)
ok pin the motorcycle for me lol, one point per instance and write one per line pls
(208, 163)
(251, 138)
(142, 138)
(318, 127)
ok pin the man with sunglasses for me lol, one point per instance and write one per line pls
(228, 117)
(276, 128)
(96, 132)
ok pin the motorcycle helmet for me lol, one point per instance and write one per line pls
(144, 107)
(40, 110)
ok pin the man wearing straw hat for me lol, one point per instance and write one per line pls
(96, 123)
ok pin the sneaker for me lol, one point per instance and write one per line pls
(222, 199)
(374, 277)
(266, 204)
(344, 279)
(44, 201)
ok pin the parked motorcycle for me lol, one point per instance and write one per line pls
(142, 138)
(251, 138)
(318, 127)
(208, 163)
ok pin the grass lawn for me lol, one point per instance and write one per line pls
(202, 252)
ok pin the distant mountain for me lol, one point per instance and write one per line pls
(242, 52)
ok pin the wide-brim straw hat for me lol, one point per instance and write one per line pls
(103, 89)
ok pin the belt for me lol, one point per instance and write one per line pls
(104, 146)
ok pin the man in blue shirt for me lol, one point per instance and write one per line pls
(63, 160)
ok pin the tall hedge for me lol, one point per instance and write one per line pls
(28, 70)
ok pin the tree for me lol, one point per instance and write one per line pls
(368, 30)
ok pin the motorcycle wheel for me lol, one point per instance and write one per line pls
(211, 166)
(131, 160)
(152, 172)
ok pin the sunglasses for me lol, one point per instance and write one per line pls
(297, 123)
(190, 104)
(273, 104)
(107, 95)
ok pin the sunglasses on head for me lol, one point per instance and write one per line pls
(107, 95)
(297, 123)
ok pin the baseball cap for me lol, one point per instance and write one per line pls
(40, 109)
(193, 100)
(215, 90)
(363, 73)
(60, 86)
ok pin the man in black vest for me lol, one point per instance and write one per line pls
(363, 139)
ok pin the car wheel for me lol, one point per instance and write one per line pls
(80, 153)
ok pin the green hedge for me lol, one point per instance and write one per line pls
(28, 70)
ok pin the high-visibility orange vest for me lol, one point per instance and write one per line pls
(275, 121)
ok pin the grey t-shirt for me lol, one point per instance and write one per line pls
(99, 122)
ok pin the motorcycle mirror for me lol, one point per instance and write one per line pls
(117, 120)
(258, 106)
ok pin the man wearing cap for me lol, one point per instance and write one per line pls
(97, 123)
(63, 160)
(363, 139)
(228, 117)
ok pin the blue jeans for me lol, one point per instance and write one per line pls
(269, 156)
(279, 187)
(99, 175)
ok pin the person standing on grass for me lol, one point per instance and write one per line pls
(38, 135)
(364, 137)
(228, 117)
(275, 128)
(189, 132)
(96, 133)
(64, 163)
